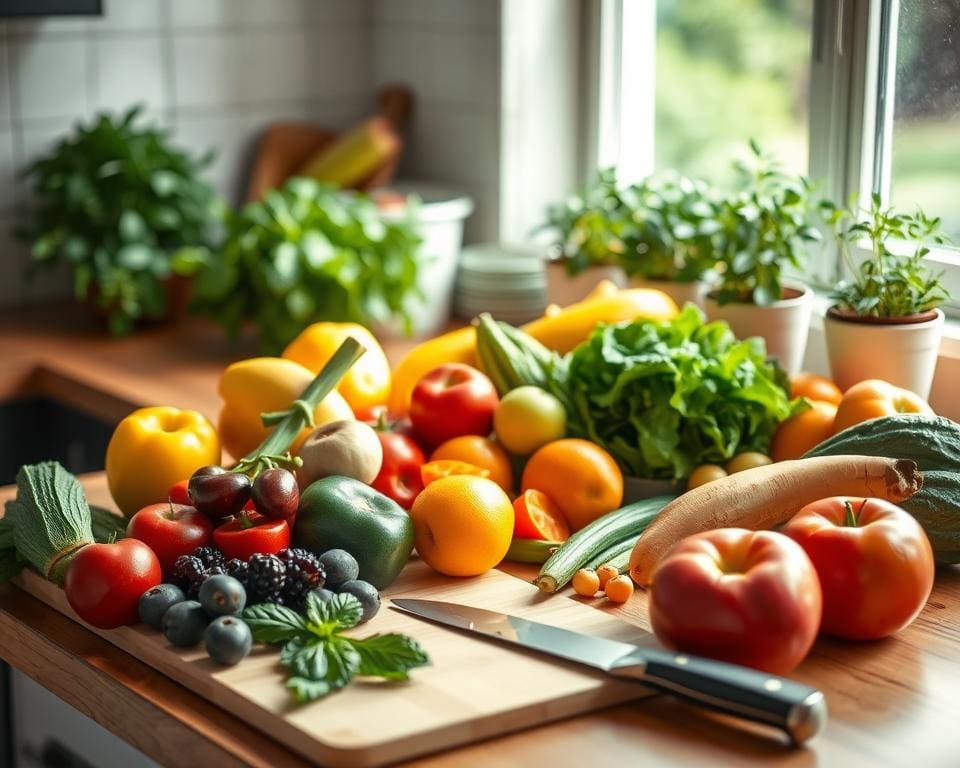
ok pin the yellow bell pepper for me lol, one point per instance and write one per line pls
(266, 384)
(367, 383)
(559, 329)
(153, 448)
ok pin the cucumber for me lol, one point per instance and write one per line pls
(531, 550)
(934, 443)
(592, 541)
(617, 555)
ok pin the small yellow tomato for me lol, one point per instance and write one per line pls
(528, 418)
(705, 473)
(748, 460)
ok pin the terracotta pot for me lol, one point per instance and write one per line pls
(784, 325)
(564, 289)
(902, 351)
(681, 293)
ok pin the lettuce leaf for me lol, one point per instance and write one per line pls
(665, 397)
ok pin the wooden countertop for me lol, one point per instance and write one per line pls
(892, 702)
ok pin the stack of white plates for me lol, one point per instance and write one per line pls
(508, 281)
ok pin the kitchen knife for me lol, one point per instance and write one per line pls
(798, 710)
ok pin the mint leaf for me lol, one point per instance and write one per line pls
(271, 623)
(305, 690)
(343, 661)
(324, 619)
(389, 656)
(305, 658)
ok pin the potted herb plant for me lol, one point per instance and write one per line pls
(657, 233)
(127, 212)
(767, 224)
(886, 323)
(309, 252)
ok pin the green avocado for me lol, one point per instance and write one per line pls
(342, 513)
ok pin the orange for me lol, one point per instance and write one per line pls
(367, 383)
(537, 517)
(481, 452)
(798, 434)
(874, 398)
(580, 477)
(434, 470)
(815, 387)
(462, 525)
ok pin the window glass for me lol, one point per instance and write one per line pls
(726, 71)
(925, 153)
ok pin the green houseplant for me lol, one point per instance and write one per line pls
(126, 211)
(768, 222)
(889, 300)
(660, 231)
(304, 253)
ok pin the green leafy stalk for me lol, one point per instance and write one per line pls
(289, 423)
(320, 659)
(50, 518)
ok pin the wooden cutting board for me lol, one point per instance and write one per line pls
(473, 690)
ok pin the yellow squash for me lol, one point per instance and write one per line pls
(559, 329)
(367, 383)
(262, 384)
(153, 448)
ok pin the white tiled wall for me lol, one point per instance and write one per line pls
(449, 51)
(216, 71)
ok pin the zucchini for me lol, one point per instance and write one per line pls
(531, 550)
(933, 442)
(593, 540)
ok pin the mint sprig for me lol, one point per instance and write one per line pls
(318, 658)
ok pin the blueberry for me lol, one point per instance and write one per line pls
(340, 567)
(155, 601)
(325, 595)
(228, 640)
(366, 593)
(222, 596)
(183, 623)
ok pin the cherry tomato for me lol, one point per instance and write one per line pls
(178, 493)
(399, 476)
(437, 470)
(170, 530)
(537, 517)
(450, 401)
(747, 597)
(874, 561)
(104, 582)
(250, 534)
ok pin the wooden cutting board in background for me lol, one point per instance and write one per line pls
(473, 690)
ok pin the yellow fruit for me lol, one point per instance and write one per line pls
(367, 383)
(705, 473)
(528, 418)
(462, 525)
(605, 573)
(748, 460)
(586, 583)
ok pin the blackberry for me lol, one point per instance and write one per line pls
(237, 569)
(304, 573)
(211, 557)
(265, 577)
(188, 573)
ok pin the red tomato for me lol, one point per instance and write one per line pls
(104, 582)
(178, 493)
(170, 530)
(874, 561)
(747, 597)
(399, 476)
(252, 534)
(537, 517)
(450, 401)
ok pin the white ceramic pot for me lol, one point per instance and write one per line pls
(783, 325)
(681, 293)
(564, 289)
(905, 354)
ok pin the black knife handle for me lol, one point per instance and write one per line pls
(797, 709)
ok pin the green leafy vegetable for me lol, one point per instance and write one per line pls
(664, 397)
(49, 517)
(125, 210)
(304, 253)
(318, 658)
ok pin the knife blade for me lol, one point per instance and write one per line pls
(798, 710)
